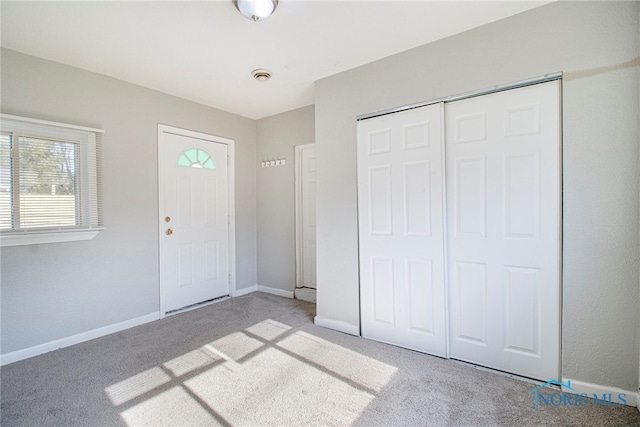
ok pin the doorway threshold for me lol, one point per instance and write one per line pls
(305, 294)
(196, 305)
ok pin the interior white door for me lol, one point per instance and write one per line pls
(307, 220)
(503, 191)
(401, 229)
(194, 220)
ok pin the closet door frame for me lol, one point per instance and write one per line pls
(447, 284)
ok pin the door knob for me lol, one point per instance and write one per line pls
(169, 232)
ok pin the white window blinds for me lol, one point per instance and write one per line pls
(49, 180)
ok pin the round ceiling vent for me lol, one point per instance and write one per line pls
(261, 75)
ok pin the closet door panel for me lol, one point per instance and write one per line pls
(503, 204)
(401, 229)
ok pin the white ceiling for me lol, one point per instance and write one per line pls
(205, 51)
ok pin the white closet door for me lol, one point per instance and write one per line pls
(503, 201)
(401, 232)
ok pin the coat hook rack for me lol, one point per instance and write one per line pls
(273, 161)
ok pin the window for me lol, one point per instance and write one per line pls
(196, 158)
(49, 186)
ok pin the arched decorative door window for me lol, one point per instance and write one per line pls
(196, 158)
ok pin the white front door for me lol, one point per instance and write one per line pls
(194, 219)
(503, 190)
(401, 229)
(306, 215)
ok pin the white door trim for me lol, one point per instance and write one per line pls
(165, 129)
(445, 224)
(298, 212)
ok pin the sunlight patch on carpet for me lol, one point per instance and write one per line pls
(274, 388)
(365, 371)
(172, 406)
(268, 374)
(268, 329)
(196, 359)
(137, 385)
(235, 346)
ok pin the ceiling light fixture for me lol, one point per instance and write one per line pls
(261, 75)
(256, 10)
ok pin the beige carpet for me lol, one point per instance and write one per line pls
(258, 360)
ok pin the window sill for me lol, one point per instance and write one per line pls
(21, 238)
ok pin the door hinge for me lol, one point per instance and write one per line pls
(229, 278)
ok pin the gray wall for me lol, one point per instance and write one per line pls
(57, 290)
(277, 136)
(596, 44)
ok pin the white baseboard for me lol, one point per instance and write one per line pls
(26, 353)
(631, 398)
(337, 325)
(275, 291)
(245, 291)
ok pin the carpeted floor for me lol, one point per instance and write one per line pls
(259, 360)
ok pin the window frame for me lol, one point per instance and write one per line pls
(89, 219)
